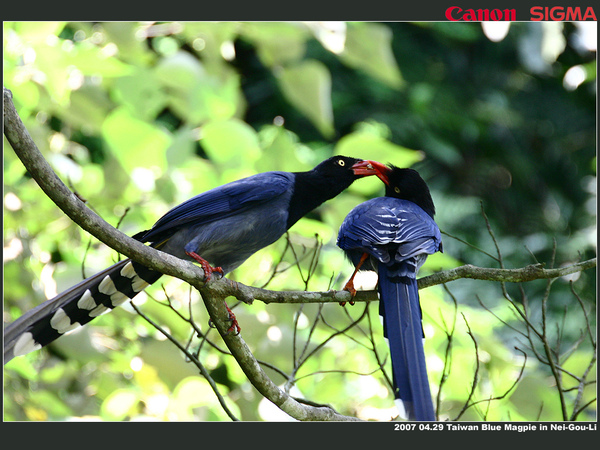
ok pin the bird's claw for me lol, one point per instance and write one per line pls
(234, 323)
(206, 267)
(350, 284)
(350, 288)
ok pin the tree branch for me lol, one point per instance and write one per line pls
(528, 273)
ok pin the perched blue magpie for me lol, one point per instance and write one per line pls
(222, 227)
(393, 235)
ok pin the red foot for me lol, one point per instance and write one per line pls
(208, 270)
(234, 323)
(350, 284)
(350, 288)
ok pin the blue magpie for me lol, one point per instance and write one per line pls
(221, 227)
(393, 235)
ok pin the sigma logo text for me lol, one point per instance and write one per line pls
(560, 13)
(456, 13)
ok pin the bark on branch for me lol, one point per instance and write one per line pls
(532, 272)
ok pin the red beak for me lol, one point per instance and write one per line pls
(366, 168)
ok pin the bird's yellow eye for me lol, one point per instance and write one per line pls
(341, 162)
(397, 190)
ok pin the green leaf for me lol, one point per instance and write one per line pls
(364, 145)
(207, 38)
(91, 60)
(52, 61)
(179, 71)
(277, 43)
(142, 92)
(125, 35)
(369, 48)
(135, 143)
(35, 32)
(279, 150)
(192, 399)
(307, 86)
(231, 142)
(119, 405)
(88, 108)
(194, 94)
(182, 147)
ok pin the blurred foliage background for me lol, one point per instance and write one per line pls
(137, 117)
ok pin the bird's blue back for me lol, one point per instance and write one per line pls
(392, 231)
(229, 223)
(223, 201)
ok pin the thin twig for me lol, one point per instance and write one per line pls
(192, 358)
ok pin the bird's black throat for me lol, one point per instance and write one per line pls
(311, 189)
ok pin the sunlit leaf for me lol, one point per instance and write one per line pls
(195, 94)
(277, 43)
(35, 32)
(192, 398)
(142, 92)
(371, 146)
(368, 48)
(280, 149)
(307, 85)
(88, 107)
(135, 143)
(231, 142)
(91, 60)
(119, 404)
(208, 38)
(126, 36)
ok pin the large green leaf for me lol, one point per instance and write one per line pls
(365, 145)
(369, 48)
(230, 142)
(195, 94)
(280, 150)
(142, 92)
(209, 38)
(307, 85)
(277, 43)
(135, 143)
(34, 32)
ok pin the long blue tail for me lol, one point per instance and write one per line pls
(401, 312)
(76, 306)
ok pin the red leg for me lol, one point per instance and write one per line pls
(350, 284)
(208, 270)
(234, 323)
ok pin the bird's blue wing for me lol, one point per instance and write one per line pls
(220, 202)
(377, 223)
(417, 234)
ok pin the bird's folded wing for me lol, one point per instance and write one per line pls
(220, 202)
